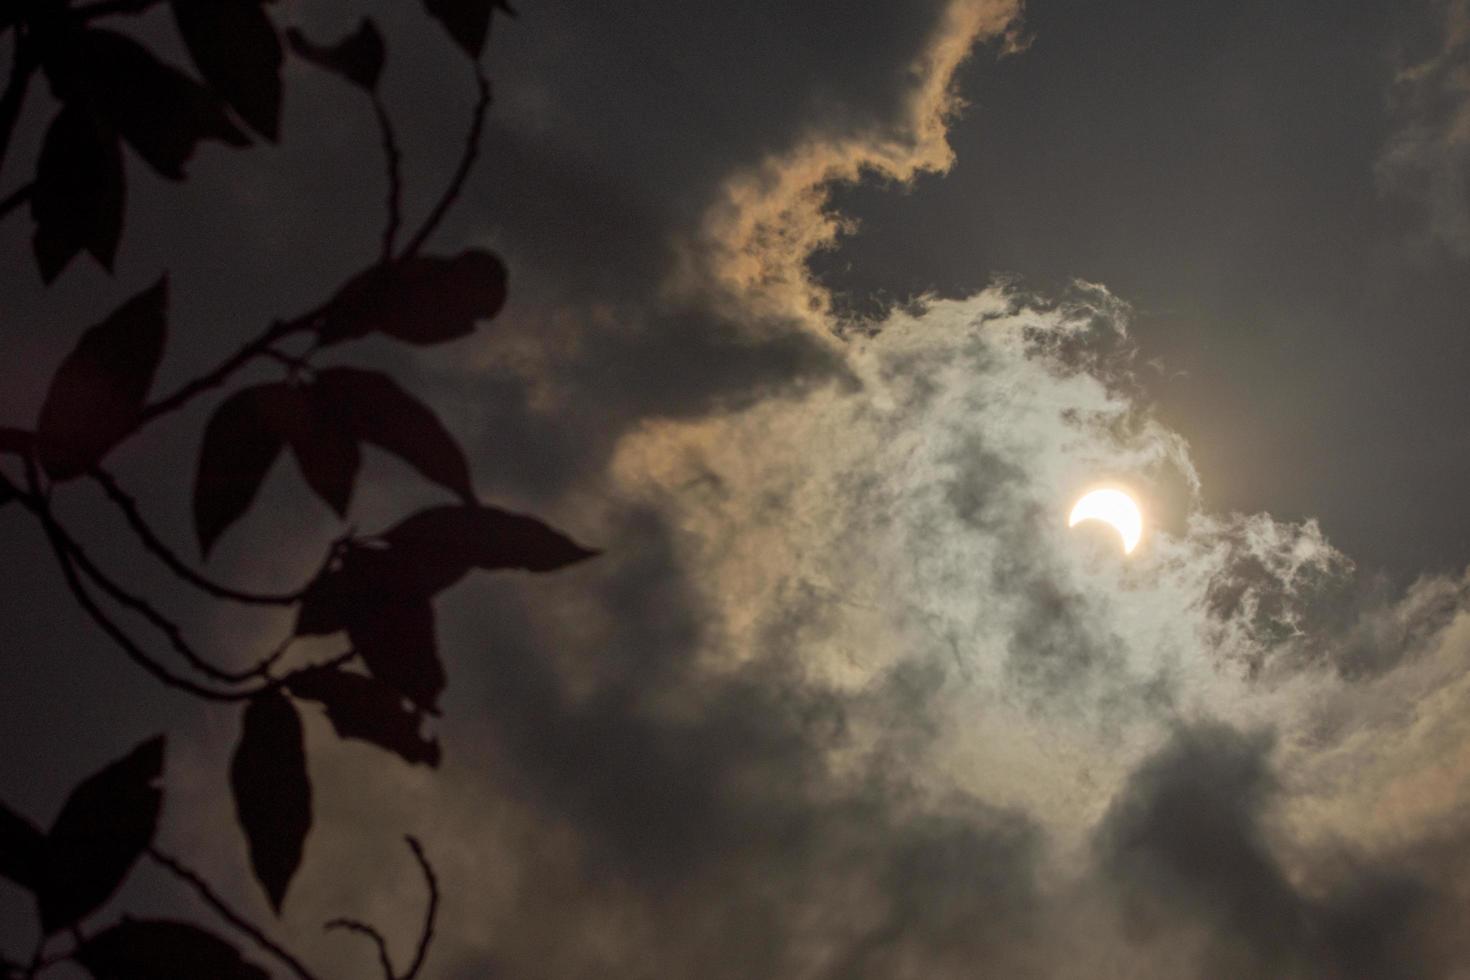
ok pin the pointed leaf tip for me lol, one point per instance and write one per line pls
(272, 791)
(235, 47)
(105, 824)
(77, 200)
(359, 57)
(102, 385)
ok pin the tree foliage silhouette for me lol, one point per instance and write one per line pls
(376, 591)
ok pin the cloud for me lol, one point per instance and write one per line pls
(1427, 158)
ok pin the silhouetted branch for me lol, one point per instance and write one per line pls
(259, 347)
(466, 164)
(22, 67)
(60, 546)
(363, 929)
(106, 8)
(425, 937)
(126, 599)
(69, 554)
(394, 160)
(15, 199)
(151, 541)
(201, 887)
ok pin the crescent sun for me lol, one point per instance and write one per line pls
(1112, 507)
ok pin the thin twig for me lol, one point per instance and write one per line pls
(466, 164)
(363, 929)
(104, 8)
(61, 547)
(156, 619)
(151, 541)
(15, 199)
(394, 160)
(228, 914)
(427, 935)
(249, 352)
(69, 555)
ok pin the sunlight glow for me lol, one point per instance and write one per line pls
(1111, 507)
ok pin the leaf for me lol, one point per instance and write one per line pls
(397, 643)
(77, 200)
(383, 414)
(241, 442)
(483, 537)
(21, 846)
(158, 949)
(327, 452)
(358, 57)
(366, 709)
(104, 825)
(361, 578)
(418, 299)
(467, 21)
(272, 791)
(160, 111)
(235, 47)
(425, 554)
(102, 384)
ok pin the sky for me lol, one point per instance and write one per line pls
(821, 316)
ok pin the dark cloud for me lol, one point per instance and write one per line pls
(1187, 844)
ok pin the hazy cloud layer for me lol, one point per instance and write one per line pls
(844, 697)
(1428, 158)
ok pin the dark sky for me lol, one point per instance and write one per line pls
(1216, 165)
(821, 315)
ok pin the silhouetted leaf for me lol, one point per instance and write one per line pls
(359, 579)
(467, 21)
(235, 47)
(160, 111)
(77, 200)
(358, 57)
(367, 709)
(440, 540)
(101, 386)
(272, 791)
(383, 414)
(425, 554)
(327, 452)
(397, 643)
(241, 442)
(21, 847)
(158, 949)
(104, 825)
(419, 300)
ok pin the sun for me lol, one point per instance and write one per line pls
(1111, 507)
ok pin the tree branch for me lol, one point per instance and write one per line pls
(106, 8)
(21, 69)
(466, 164)
(259, 347)
(61, 547)
(69, 555)
(394, 160)
(15, 199)
(363, 929)
(151, 541)
(427, 935)
(201, 887)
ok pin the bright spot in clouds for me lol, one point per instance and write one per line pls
(1111, 507)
